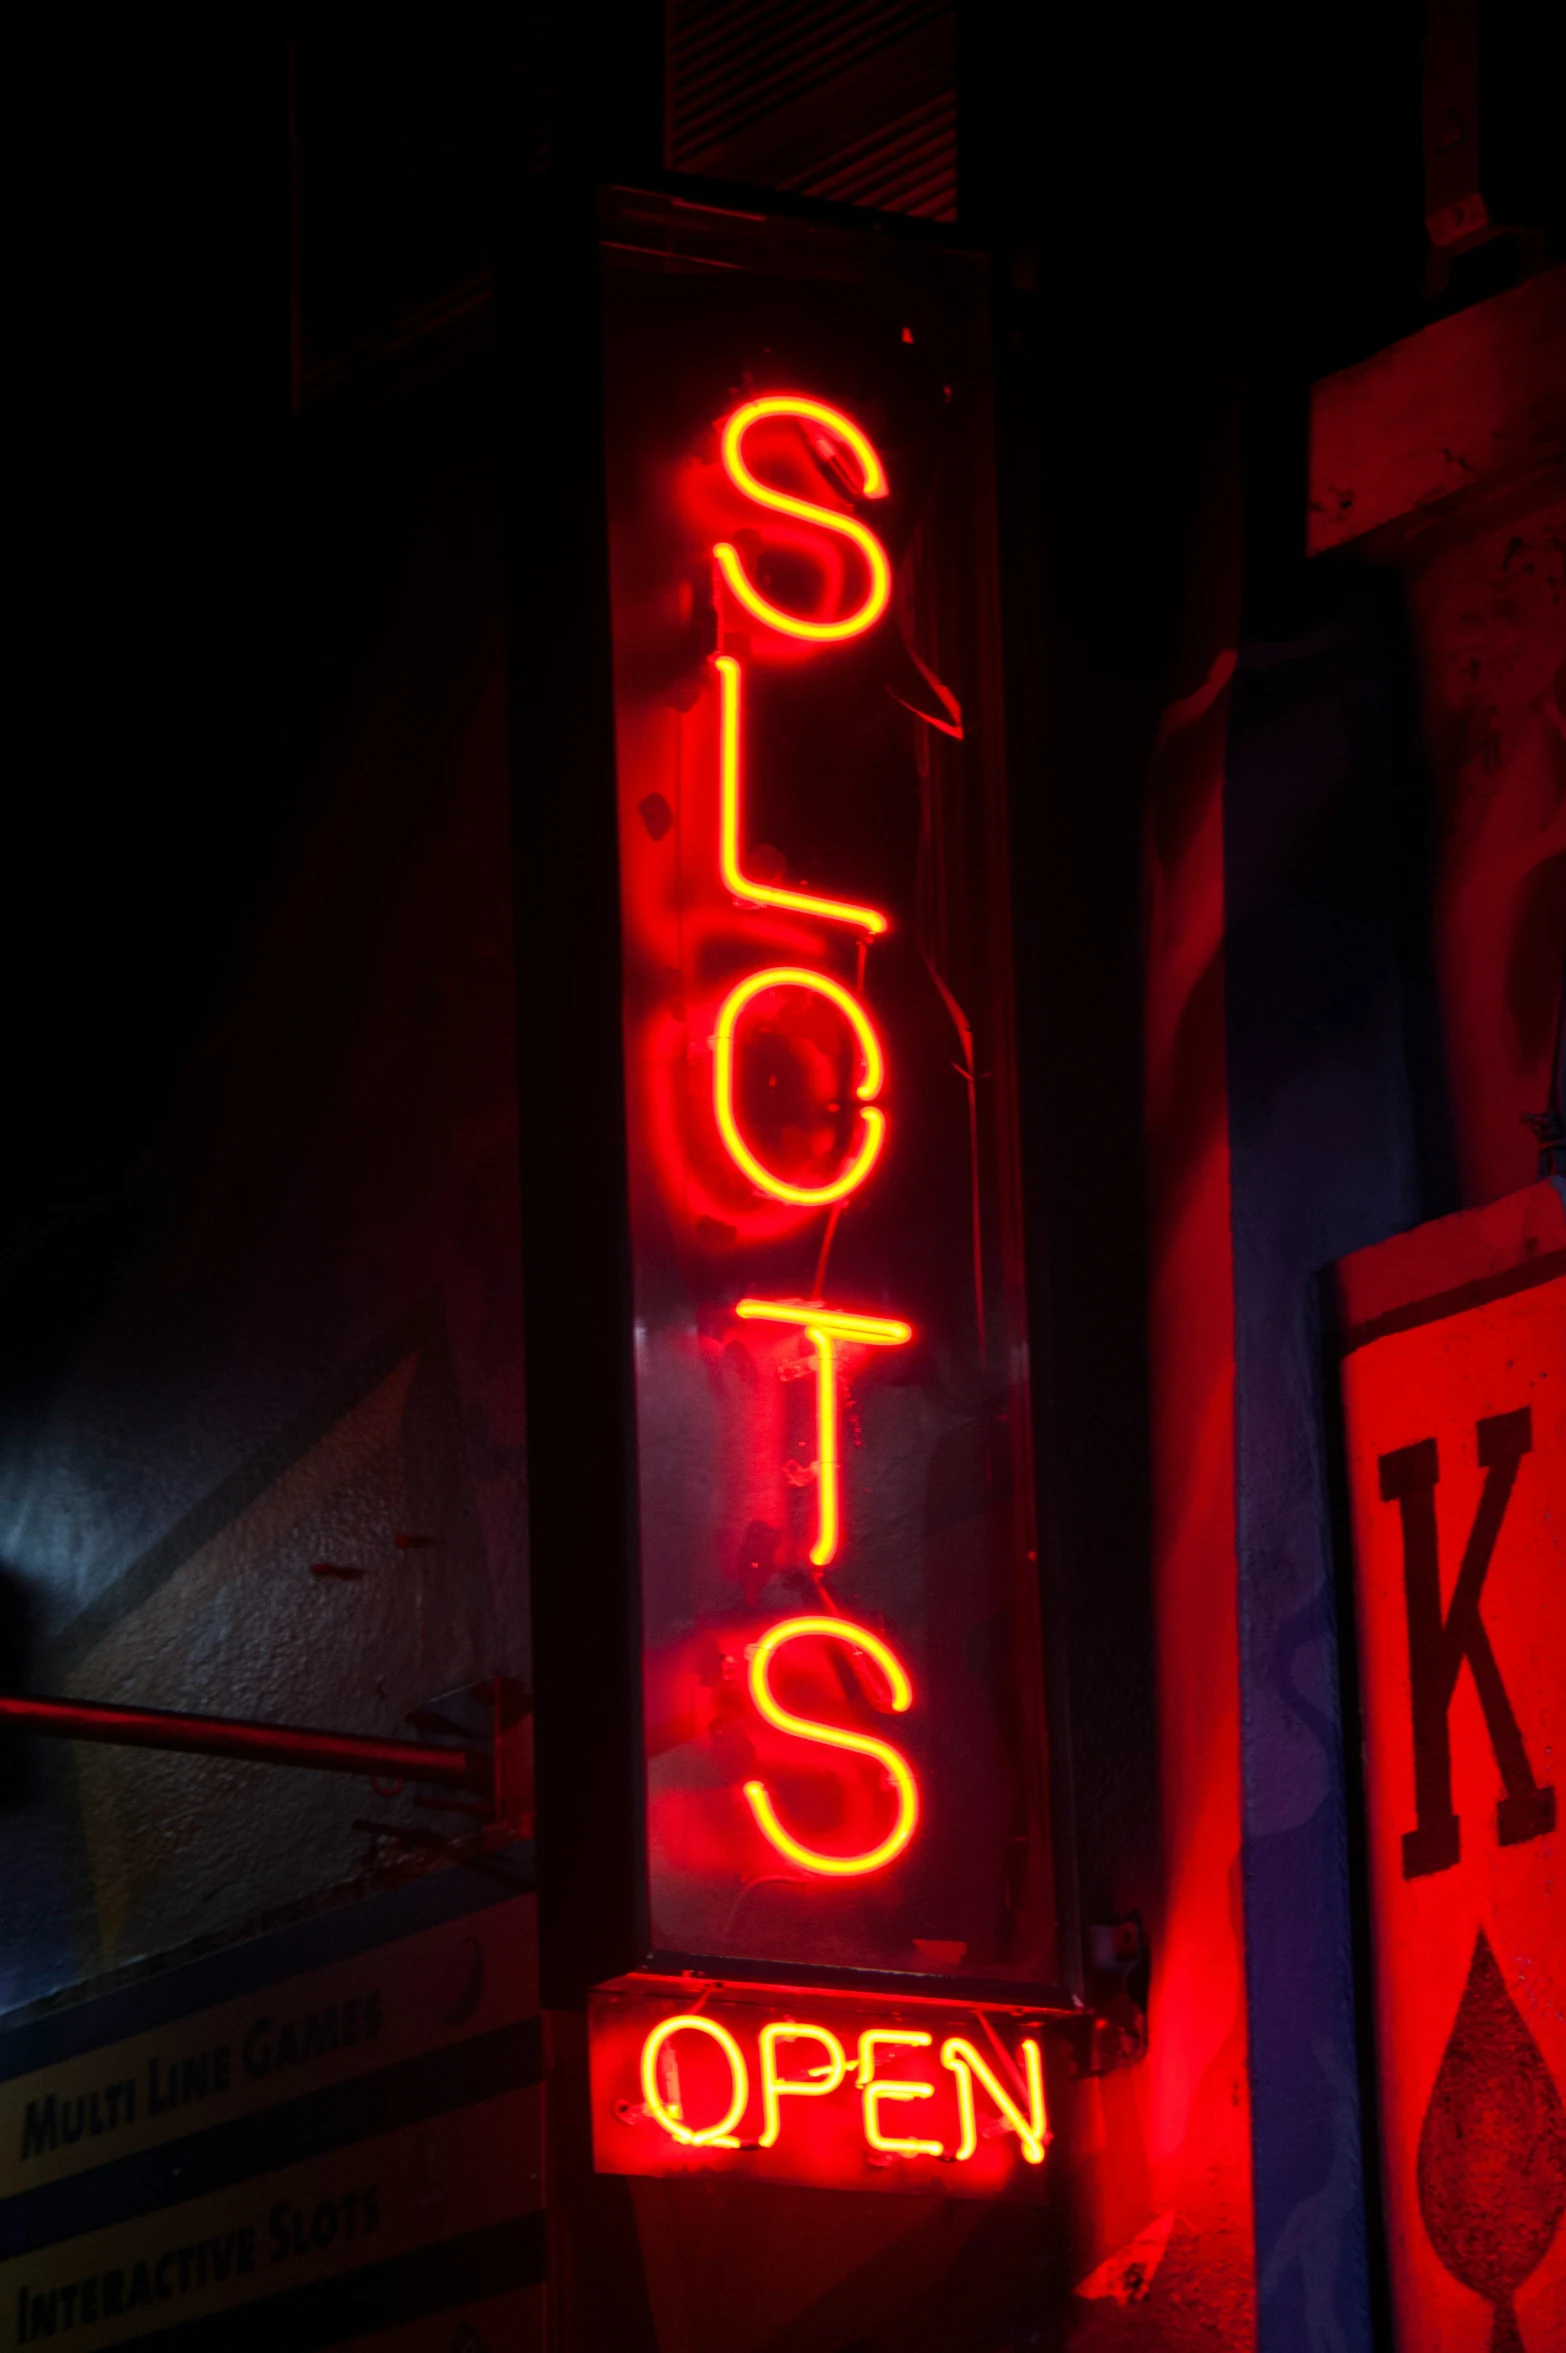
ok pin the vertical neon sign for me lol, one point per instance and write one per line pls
(842, 1686)
(825, 1326)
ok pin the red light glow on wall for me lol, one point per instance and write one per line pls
(818, 2087)
(842, 1675)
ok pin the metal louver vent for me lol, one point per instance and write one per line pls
(852, 99)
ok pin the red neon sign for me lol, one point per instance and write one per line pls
(831, 427)
(730, 677)
(875, 2089)
(900, 1696)
(843, 1715)
(872, 1072)
(815, 2084)
(669, 2113)
(823, 1327)
(818, 2088)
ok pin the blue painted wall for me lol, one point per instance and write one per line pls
(1323, 880)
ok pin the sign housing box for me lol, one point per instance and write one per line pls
(790, 1669)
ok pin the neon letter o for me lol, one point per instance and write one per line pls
(872, 1070)
(721, 2134)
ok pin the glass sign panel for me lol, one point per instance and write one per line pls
(844, 1716)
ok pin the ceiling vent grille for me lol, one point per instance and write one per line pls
(850, 99)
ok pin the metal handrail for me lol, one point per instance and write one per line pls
(267, 1744)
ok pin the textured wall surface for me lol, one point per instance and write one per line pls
(274, 1466)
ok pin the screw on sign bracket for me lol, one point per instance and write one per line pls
(495, 1715)
(1117, 1974)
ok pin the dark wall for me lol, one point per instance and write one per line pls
(262, 1412)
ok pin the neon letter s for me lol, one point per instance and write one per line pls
(833, 1736)
(872, 474)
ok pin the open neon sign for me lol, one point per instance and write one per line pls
(670, 2110)
(817, 2089)
(843, 1718)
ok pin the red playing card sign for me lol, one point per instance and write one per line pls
(1454, 1403)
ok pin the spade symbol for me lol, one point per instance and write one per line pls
(1492, 2149)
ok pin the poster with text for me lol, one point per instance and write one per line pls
(331, 2135)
